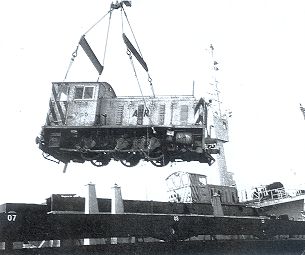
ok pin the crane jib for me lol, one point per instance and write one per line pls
(86, 47)
(135, 52)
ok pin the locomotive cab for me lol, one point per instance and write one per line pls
(77, 103)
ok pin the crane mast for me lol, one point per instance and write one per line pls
(220, 126)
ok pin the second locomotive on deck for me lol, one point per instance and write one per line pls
(88, 122)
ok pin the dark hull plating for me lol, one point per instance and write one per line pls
(170, 227)
(233, 247)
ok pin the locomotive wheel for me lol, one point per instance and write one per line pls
(131, 161)
(162, 161)
(100, 162)
(158, 158)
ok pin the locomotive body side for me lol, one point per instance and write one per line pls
(165, 111)
(88, 122)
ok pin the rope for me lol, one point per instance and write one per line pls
(130, 56)
(122, 21)
(74, 54)
(134, 69)
(106, 44)
(139, 85)
(107, 37)
(135, 73)
(98, 22)
(149, 78)
(132, 31)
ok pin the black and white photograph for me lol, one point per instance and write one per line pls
(152, 127)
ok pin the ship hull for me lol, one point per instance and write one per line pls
(293, 207)
(232, 247)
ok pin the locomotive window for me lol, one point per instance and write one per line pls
(83, 93)
(78, 93)
(88, 94)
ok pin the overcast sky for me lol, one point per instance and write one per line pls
(259, 46)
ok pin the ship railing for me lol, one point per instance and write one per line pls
(269, 194)
(262, 195)
(296, 192)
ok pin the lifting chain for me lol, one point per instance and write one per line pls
(74, 55)
(151, 85)
(128, 52)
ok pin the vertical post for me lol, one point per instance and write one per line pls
(204, 122)
(117, 200)
(193, 93)
(117, 206)
(91, 207)
(216, 203)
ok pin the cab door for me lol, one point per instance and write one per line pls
(83, 98)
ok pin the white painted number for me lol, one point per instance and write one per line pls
(11, 217)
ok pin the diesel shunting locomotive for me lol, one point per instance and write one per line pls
(88, 122)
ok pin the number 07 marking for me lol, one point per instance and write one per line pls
(11, 217)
